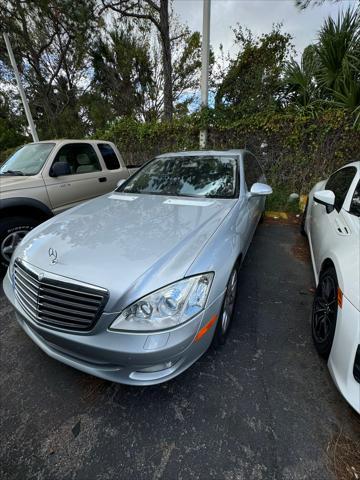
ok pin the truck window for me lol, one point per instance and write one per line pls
(81, 158)
(109, 156)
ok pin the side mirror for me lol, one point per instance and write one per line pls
(120, 182)
(327, 198)
(260, 189)
(59, 169)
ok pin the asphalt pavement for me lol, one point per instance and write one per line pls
(262, 407)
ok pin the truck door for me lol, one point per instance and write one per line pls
(115, 170)
(86, 180)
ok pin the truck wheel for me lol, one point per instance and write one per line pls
(12, 231)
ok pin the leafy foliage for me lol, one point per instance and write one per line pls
(49, 40)
(121, 77)
(286, 143)
(253, 81)
(329, 73)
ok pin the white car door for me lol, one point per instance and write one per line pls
(327, 222)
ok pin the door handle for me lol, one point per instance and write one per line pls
(102, 179)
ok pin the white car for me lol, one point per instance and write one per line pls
(332, 224)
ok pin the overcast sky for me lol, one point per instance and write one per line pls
(258, 15)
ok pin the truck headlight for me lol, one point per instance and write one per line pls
(168, 307)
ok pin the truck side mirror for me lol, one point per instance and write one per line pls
(59, 169)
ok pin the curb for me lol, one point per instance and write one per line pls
(276, 215)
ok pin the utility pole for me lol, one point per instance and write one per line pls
(21, 89)
(205, 51)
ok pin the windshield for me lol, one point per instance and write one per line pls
(29, 160)
(186, 176)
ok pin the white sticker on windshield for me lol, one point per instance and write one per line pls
(198, 203)
(127, 198)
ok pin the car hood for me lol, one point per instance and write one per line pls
(17, 182)
(130, 245)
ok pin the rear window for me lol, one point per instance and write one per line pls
(109, 156)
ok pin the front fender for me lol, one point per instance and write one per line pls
(18, 202)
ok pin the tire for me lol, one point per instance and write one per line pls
(303, 218)
(227, 310)
(324, 312)
(12, 230)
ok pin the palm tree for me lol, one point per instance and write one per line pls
(338, 50)
(329, 73)
(300, 84)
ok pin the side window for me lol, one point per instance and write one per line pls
(340, 183)
(109, 156)
(81, 158)
(355, 202)
(252, 170)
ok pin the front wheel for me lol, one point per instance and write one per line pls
(12, 231)
(324, 313)
(227, 310)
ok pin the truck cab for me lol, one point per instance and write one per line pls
(42, 179)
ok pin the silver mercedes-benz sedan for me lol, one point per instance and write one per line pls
(134, 286)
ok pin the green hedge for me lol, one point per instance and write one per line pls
(295, 150)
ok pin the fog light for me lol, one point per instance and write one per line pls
(157, 368)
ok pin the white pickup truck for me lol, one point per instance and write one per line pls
(45, 178)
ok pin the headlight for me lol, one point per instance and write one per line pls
(168, 307)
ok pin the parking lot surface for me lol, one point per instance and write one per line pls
(262, 407)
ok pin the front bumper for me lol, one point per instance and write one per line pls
(130, 358)
(343, 353)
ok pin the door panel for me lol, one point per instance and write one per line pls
(324, 226)
(87, 179)
(320, 229)
(115, 171)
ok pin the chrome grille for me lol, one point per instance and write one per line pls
(52, 302)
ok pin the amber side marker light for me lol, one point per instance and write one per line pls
(339, 297)
(206, 328)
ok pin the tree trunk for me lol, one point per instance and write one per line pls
(166, 59)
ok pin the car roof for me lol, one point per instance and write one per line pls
(352, 164)
(73, 140)
(203, 153)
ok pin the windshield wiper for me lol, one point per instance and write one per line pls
(12, 172)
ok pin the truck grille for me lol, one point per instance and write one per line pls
(50, 302)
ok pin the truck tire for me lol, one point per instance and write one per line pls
(12, 231)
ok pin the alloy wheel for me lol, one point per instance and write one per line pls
(10, 242)
(229, 301)
(325, 309)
